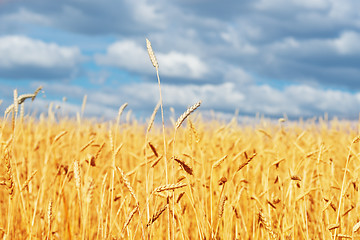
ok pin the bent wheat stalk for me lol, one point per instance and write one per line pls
(182, 118)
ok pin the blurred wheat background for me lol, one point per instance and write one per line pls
(80, 179)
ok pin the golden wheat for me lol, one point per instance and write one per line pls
(182, 118)
(151, 54)
(168, 187)
(304, 183)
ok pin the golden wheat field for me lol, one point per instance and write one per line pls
(193, 178)
(79, 179)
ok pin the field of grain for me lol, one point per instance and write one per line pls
(78, 179)
(191, 178)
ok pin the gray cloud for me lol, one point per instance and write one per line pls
(209, 50)
(87, 17)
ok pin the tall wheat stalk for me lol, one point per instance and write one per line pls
(156, 65)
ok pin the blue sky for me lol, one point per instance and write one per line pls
(272, 57)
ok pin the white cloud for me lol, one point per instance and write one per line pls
(18, 51)
(131, 56)
(295, 100)
(92, 109)
(146, 13)
(237, 75)
(345, 11)
(126, 54)
(177, 64)
(348, 43)
(236, 37)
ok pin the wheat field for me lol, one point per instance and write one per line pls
(193, 178)
(78, 179)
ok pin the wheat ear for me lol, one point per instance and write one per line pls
(151, 54)
(49, 212)
(10, 179)
(26, 183)
(156, 215)
(153, 149)
(248, 160)
(219, 162)
(77, 176)
(186, 114)
(131, 215)
(127, 184)
(184, 166)
(168, 187)
(21, 99)
(263, 220)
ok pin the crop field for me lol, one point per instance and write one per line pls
(78, 179)
(191, 178)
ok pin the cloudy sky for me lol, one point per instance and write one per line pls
(272, 57)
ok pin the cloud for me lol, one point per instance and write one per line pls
(88, 17)
(129, 55)
(266, 56)
(298, 100)
(348, 43)
(20, 53)
(276, 5)
(294, 100)
(146, 13)
(126, 54)
(23, 15)
(175, 64)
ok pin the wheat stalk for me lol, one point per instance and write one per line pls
(152, 118)
(16, 102)
(87, 145)
(223, 199)
(168, 187)
(152, 54)
(57, 137)
(219, 162)
(49, 215)
(19, 100)
(130, 217)
(191, 109)
(153, 149)
(77, 175)
(127, 184)
(10, 180)
(263, 220)
(89, 189)
(156, 215)
(193, 131)
(26, 183)
(184, 166)
(121, 110)
(99, 151)
(156, 162)
(156, 65)
(179, 197)
(248, 160)
(49, 212)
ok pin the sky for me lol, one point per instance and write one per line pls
(274, 58)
